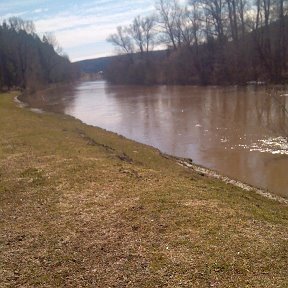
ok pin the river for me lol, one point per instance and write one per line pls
(240, 132)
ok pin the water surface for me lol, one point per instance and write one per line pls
(239, 132)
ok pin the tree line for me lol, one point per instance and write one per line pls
(204, 42)
(28, 61)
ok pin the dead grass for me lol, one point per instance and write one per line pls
(80, 208)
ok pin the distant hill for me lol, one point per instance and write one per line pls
(95, 65)
(91, 66)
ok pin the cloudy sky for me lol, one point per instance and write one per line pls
(81, 26)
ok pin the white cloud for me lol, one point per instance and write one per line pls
(40, 10)
(92, 56)
(81, 23)
(15, 14)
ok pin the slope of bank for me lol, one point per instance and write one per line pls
(83, 207)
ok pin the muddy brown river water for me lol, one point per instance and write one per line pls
(240, 132)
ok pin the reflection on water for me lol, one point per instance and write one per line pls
(239, 132)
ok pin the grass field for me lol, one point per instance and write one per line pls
(83, 207)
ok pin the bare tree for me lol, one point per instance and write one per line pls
(141, 31)
(241, 7)
(50, 38)
(215, 12)
(18, 24)
(122, 40)
(233, 18)
(282, 37)
(195, 15)
(148, 26)
(212, 39)
(168, 11)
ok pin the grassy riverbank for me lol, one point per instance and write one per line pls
(81, 207)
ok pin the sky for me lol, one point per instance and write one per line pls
(80, 26)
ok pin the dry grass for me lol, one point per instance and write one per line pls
(82, 207)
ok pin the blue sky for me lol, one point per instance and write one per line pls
(80, 26)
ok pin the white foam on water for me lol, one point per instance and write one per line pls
(276, 145)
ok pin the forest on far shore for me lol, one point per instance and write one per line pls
(29, 62)
(204, 42)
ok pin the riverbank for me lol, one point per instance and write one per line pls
(83, 207)
(184, 121)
